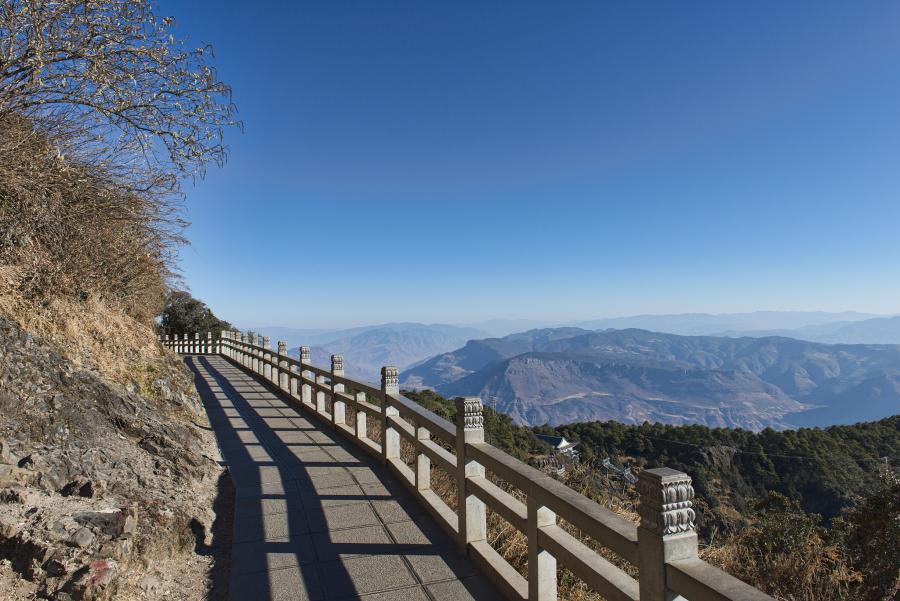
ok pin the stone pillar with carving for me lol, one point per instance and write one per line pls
(668, 531)
(471, 509)
(390, 438)
(305, 390)
(338, 406)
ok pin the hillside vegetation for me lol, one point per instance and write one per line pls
(809, 514)
(106, 467)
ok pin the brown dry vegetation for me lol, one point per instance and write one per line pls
(103, 113)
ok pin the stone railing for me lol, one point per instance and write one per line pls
(663, 547)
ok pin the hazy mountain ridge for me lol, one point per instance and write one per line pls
(633, 375)
(880, 330)
(709, 324)
(476, 354)
(367, 349)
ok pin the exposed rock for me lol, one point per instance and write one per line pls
(6, 455)
(8, 527)
(78, 455)
(95, 581)
(82, 537)
(55, 568)
(80, 486)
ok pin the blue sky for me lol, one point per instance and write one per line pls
(452, 162)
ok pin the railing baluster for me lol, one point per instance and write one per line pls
(541, 564)
(361, 431)
(254, 353)
(470, 509)
(390, 438)
(266, 369)
(320, 395)
(423, 462)
(338, 407)
(283, 376)
(306, 391)
(667, 531)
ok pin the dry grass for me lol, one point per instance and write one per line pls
(89, 333)
(813, 571)
(68, 231)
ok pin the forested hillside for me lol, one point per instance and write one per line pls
(808, 514)
(825, 470)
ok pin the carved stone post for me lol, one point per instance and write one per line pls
(209, 343)
(282, 366)
(197, 344)
(361, 431)
(245, 354)
(667, 531)
(469, 430)
(390, 438)
(306, 391)
(167, 344)
(338, 406)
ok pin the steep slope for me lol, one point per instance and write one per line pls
(103, 487)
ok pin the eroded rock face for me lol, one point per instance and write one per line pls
(97, 480)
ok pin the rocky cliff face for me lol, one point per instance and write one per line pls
(104, 489)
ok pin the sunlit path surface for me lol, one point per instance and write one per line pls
(315, 518)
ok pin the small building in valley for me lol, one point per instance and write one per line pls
(560, 445)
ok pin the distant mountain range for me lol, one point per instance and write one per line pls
(819, 326)
(706, 324)
(879, 330)
(367, 349)
(562, 375)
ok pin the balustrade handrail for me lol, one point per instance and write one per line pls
(663, 547)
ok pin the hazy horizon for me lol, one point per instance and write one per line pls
(858, 315)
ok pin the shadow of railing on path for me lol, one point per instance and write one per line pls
(307, 502)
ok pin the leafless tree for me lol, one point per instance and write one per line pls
(103, 113)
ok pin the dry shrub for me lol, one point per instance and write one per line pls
(812, 571)
(73, 234)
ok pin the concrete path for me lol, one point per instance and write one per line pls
(316, 518)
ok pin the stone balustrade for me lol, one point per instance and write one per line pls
(663, 547)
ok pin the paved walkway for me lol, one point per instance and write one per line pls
(316, 518)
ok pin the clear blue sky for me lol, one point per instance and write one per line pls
(456, 161)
